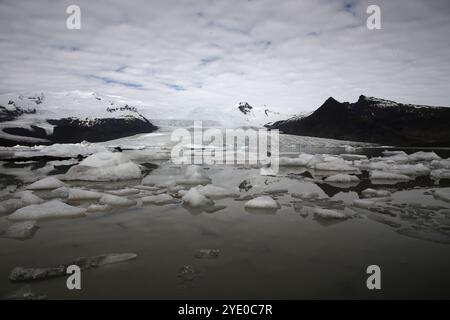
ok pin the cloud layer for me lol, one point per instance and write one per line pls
(289, 55)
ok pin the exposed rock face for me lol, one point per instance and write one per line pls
(245, 108)
(374, 120)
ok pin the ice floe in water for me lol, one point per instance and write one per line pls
(84, 263)
(21, 199)
(116, 201)
(48, 210)
(46, 184)
(263, 202)
(330, 214)
(423, 156)
(372, 193)
(104, 166)
(207, 254)
(195, 175)
(160, 199)
(80, 194)
(382, 175)
(20, 230)
(213, 192)
(342, 178)
(193, 198)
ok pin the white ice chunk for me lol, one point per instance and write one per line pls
(301, 161)
(20, 230)
(338, 165)
(329, 214)
(382, 175)
(195, 175)
(342, 178)
(46, 184)
(47, 210)
(125, 171)
(116, 201)
(423, 156)
(263, 202)
(105, 159)
(372, 193)
(80, 194)
(194, 198)
(440, 174)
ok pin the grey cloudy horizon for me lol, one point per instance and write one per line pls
(289, 55)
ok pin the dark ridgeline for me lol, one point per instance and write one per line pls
(374, 120)
(72, 129)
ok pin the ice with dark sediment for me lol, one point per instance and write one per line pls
(84, 263)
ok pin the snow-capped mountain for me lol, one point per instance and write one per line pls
(374, 120)
(258, 116)
(45, 118)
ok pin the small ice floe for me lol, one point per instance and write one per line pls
(20, 230)
(46, 184)
(48, 210)
(213, 192)
(440, 164)
(423, 156)
(160, 199)
(301, 161)
(263, 202)
(103, 167)
(342, 178)
(410, 169)
(382, 175)
(193, 198)
(372, 193)
(20, 200)
(305, 195)
(80, 194)
(207, 254)
(442, 195)
(116, 201)
(275, 191)
(349, 148)
(195, 175)
(188, 274)
(353, 157)
(329, 214)
(125, 192)
(388, 153)
(84, 263)
(25, 293)
(368, 203)
(440, 174)
(338, 165)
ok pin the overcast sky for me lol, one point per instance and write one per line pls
(288, 55)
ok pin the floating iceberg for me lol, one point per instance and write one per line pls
(329, 214)
(423, 156)
(382, 175)
(195, 199)
(263, 202)
(342, 178)
(213, 192)
(195, 175)
(20, 230)
(338, 165)
(46, 184)
(372, 193)
(116, 201)
(105, 166)
(442, 195)
(48, 210)
(80, 194)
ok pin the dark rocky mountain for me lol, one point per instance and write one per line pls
(374, 120)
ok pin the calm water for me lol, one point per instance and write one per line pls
(286, 254)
